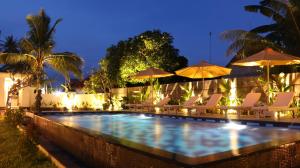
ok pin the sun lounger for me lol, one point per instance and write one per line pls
(249, 102)
(136, 107)
(160, 104)
(212, 104)
(281, 104)
(175, 108)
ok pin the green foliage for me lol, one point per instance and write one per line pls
(17, 149)
(296, 102)
(225, 87)
(132, 98)
(157, 90)
(149, 49)
(145, 93)
(85, 105)
(97, 82)
(277, 84)
(106, 106)
(11, 45)
(174, 102)
(282, 34)
(14, 116)
(187, 92)
(117, 101)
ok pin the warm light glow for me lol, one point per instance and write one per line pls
(158, 131)
(184, 111)
(117, 103)
(8, 83)
(69, 101)
(98, 101)
(281, 75)
(58, 93)
(234, 126)
(232, 96)
(234, 136)
(186, 130)
(157, 109)
(143, 116)
(74, 101)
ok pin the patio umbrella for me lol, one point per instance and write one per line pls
(268, 57)
(152, 73)
(203, 70)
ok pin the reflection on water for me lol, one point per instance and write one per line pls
(234, 142)
(158, 132)
(189, 138)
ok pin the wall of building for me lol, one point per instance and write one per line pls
(239, 88)
(6, 81)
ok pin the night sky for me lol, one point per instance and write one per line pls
(91, 26)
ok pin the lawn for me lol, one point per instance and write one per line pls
(17, 151)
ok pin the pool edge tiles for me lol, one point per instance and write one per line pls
(181, 158)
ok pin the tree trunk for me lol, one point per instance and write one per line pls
(111, 100)
(38, 101)
(38, 98)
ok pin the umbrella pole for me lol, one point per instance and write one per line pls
(202, 83)
(152, 93)
(151, 83)
(268, 82)
(202, 79)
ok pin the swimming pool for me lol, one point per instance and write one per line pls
(189, 138)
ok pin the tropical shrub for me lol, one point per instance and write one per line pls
(187, 92)
(14, 116)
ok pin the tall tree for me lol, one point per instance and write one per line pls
(11, 45)
(36, 49)
(149, 49)
(282, 34)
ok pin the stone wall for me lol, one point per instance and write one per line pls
(94, 150)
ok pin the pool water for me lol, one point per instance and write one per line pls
(180, 136)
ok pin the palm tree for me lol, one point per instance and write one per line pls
(36, 49)
(11, 45)
(283, 34)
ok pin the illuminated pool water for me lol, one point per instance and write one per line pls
(180, 136)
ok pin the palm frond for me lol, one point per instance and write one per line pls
(232, 35)
(15, 58)
(266, 11)
(244, 41)
(52, 30)
(66, 63)
(265, 28)
(40, 34)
